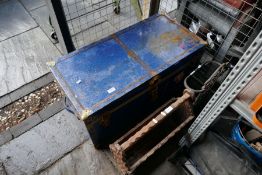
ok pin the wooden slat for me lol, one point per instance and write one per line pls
(155, 121)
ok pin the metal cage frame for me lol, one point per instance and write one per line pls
(230, 42)
(65, 29)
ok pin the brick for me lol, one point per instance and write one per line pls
(22, 91)
(52, 110)
(44, 80)
(5, 136)
(5, 100)
(25, 125)
(31, 87)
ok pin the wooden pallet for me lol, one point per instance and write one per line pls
(148, 136)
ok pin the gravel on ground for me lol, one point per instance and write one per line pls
(28, 105)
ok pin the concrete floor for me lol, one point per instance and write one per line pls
(42, 145)
(84, 160)
(25, 47)
(24, 44)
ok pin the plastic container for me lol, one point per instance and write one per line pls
(238, 136)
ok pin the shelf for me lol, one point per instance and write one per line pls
(243, 110)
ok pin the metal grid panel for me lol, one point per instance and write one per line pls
(91, 20)
(168, 6)
(226, 25)
(247, 67)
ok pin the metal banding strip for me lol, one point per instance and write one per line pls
(134, 56)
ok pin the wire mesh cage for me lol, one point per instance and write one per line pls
(91, 20)
(229, 26)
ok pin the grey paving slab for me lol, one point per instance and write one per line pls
(42, 145)
(58, 46)
(41, 16)
(32, 4)
(85, 160)
(5, 136)
(43, 80)
(2, 169)
(5, 100)
(22, 91)
(52, 109)
(23, 59)
(14, 19)
(26, 89)
(25, 125)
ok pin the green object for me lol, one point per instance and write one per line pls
(116, 5)
(137, 7)
(117, 2)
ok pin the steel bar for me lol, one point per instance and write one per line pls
(230, 79)
(181, 10)
(216, 20)
(247, 67)
(154, 7)
(60, 25)
(226, 45)
(235, 87)
(222, 6)
(227, 97)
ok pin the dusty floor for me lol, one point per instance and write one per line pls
(29, 105)
(41, 146)
(25, 46)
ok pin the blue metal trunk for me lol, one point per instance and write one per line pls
(116, 82)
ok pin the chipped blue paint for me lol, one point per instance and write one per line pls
(160, 43)
(102, 67)
(104, 72)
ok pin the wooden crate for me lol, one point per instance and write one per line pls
(148, 136)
